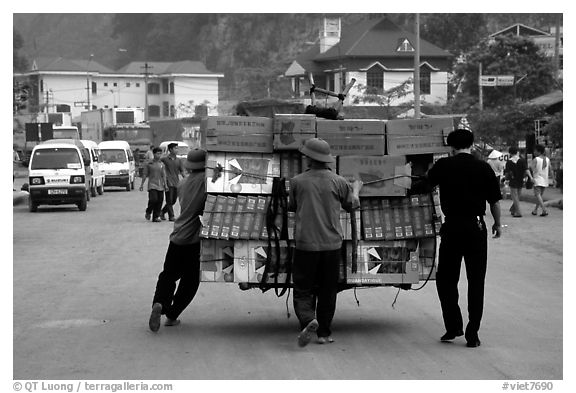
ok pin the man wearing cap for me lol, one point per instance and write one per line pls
(174, 168)
(182, 261)
(466, 184)
(317, 195)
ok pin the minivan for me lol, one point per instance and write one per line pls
(117, 162)
(58, 174)
(97, 183)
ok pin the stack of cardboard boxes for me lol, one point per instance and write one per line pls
(396, 225)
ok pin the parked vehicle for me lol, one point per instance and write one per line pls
(117, 162)
(58, 174)
(97, 183)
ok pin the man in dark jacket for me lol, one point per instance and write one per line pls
(466, 184)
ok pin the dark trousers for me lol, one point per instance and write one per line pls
(155, 199)
(462, 239)
(171, 198)
(181, 263)
(315, 275)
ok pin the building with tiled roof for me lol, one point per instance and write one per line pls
(174, 89)
(375, 52)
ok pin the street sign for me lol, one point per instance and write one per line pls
(80, 103)
(496, 80)
(505, 80)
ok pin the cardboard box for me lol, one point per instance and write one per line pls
(351, 127)
(384, 262)
(418, 136)
(366, 215)
(292, 130)
(238, 134)
(354, 145)
(428, 255)
(216, 260)
(206, 218)
(241, 173)
(251, 258)
(389, 174)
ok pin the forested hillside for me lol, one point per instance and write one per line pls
(252, 50)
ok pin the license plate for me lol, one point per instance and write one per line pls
(57, 192)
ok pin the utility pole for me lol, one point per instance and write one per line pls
(417, 69)
(557, 47)
(88, 103)
(480, 103)
(146, 68)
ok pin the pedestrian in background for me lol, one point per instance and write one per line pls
(174, 169)
(317, 196)
(515, 171)
(466, 184)
(540, 168)
(182, 261)
(149, 156)
(496, 162)
(155, 173)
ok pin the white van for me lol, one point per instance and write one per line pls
(97, 183)
(117, 162)
(181, 151)
(57, 175)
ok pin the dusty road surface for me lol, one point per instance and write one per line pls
(83, 285)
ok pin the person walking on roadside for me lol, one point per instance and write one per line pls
(515, 172)
(466, 184)
(317, 196)
(182, 261)
(174, 169)
(540, 168)
(155, 173)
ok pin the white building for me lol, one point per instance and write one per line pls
(178, 89)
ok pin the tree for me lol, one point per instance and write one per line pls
(554, 129)
(504, 125)
(507, 55)
(20, 63)
(456, 33)
(387, 97)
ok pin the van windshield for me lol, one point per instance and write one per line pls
(56, 158)
(112, 155)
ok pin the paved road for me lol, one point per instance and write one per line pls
(83, 283)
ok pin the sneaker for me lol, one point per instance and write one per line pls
(324, 340)
(172, 322)
(473, 343)
(306, 334)
(156, 219)
(171, 219)
(155, 315)
(147, 216)
(163, 217)
(544, 214)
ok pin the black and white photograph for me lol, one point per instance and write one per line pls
(313, 195)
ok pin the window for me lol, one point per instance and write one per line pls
(165, 108)
(105, 84)
(62, 108)
(331, 83)
(154, 110)
(137, 84)
(94, 88)
(172, 111)
(115, 84)
(165, 86)
(375, 80)
(153, 88)
(171, 87)
(424, 80)
(127, 84)
(41, 85)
